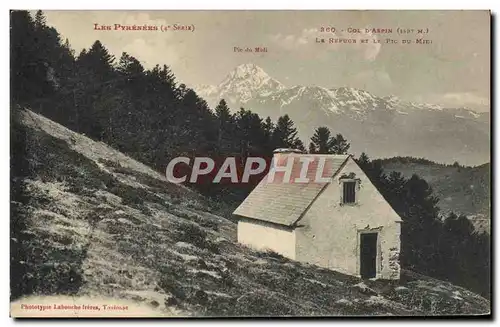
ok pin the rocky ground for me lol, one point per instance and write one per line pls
(104, 226)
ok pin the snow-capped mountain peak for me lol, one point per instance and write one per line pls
(205, 90)
(355, 99)
(243, 83)
(426, 106)
(344, 100)
(248, 71)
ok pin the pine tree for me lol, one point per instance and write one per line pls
(421, 227)
(168, 76)
(299, 145)
(321, 141)
(40, 21)
(312, 148)
(95, 89)
(340, 145)
(363, 160)
(194, 122)
(129, 66)
(28, 70)
(285, 134)
(132, 76)
(226, 129)
(101, 56)
(268, 127)
(97, 62)
(374, 171)
(182, 90)
(251, 132)
(222, 111)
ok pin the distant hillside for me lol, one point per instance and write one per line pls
(463, 190)
(103, 225)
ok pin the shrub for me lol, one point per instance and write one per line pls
(176, 200)
(79, 189)
(198, 297)
(56, 271)
(129, 195)
(270, 254)
(145, 210)
(109, 163)
(125, 171)
(170, 285)
(192, 234)
(195, 235)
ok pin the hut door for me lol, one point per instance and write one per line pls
(368, 255)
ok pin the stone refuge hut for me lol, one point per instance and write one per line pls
(340, 222)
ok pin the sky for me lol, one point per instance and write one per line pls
(452, 71)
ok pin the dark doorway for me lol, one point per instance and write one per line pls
(368, 255)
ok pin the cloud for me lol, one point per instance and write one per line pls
(371, 48)
(150, 53)
(150, 47)
(290, 41)
(304, 40)
(369, 79)
(466, 98)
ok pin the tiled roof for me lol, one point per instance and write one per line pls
(284, 203)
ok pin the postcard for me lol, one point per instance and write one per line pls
(305, 163)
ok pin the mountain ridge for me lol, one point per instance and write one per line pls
(463, 190)
(382, 126)
(241, 84)
(243, 71)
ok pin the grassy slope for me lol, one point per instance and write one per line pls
(460, 189)
(111, 227)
